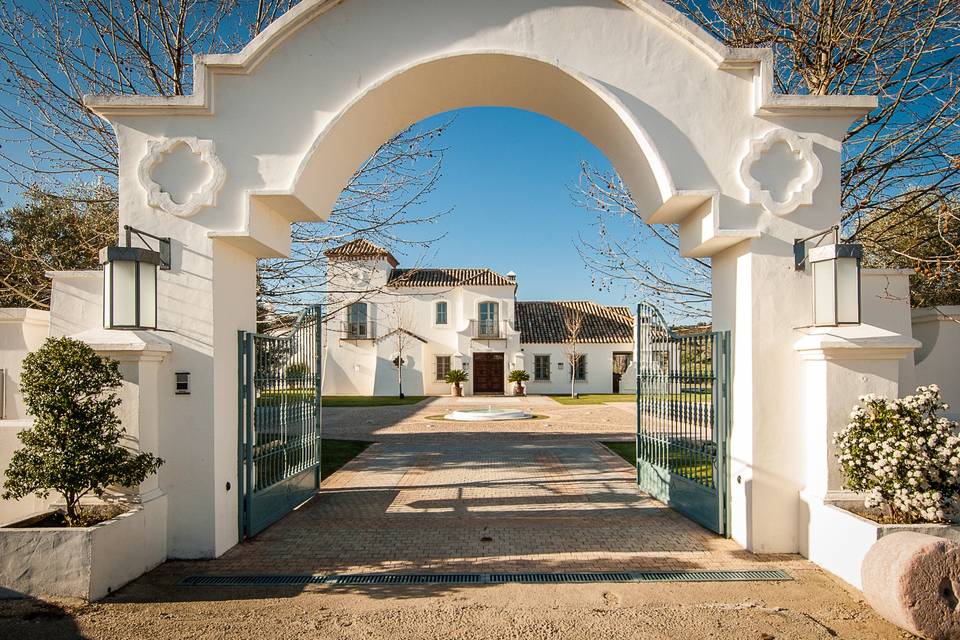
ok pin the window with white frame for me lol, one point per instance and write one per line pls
(580, 370)
(442, 367)
(357, 320)
(440, 315)
(489, 322)
(541, 367)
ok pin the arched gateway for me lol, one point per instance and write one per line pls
(690, 125)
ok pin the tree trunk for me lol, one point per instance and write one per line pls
(71, 515)
(573, 375)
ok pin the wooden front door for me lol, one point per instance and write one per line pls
(488, 373)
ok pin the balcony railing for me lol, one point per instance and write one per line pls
(489, 330)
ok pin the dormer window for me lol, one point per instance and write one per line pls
(440, 316)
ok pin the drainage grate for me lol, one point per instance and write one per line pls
(408, 578)
(710, 576)
(546, 578)
(252, 581)
(480, 578)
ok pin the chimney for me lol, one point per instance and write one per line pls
(512, 277)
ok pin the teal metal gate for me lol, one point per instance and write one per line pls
(279, 404)
(683, 418)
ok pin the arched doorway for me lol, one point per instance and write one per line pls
(285, 121)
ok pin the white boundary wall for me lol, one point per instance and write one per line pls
(938, 360)
(21, 331)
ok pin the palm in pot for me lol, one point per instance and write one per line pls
(518, 377)
(455, 377)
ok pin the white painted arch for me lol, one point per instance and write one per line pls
(494, 78)
(300, 107)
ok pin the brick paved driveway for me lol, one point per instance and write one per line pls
(440, 496)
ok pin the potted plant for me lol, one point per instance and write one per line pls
(74, 449)
(455, 377)
(518, 377)
(901, 466)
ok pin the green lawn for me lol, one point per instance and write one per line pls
(626, 450)
(595, 398)
(369, 401)
(682, 462)
(336, 453)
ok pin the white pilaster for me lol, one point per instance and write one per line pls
(840, 365)
(139, 354)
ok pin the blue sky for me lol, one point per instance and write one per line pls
(508, 176)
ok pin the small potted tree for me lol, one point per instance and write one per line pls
(74, 446)
(455, 377)
(74, 449)
(518, 377)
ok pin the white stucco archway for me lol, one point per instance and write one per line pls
(290, 117)
(478, 79)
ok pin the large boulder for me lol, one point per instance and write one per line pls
(913, 580)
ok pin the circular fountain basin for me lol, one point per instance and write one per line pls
(488, 414)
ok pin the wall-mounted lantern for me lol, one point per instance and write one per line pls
(836, 278)
(130, 282)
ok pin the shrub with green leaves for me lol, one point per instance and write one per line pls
(74, 445)
(518, 375)
(297, 374)
(455, 377)
(902, 455)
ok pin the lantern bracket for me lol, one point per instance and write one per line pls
(800, 246)
(163, 244)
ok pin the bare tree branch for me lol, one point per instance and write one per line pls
(51, 54)
(907, 52)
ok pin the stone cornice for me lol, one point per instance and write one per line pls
(855, 342)
(22, 315)
(126, 345)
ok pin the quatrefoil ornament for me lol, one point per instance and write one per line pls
(205, 196)
(799, 190)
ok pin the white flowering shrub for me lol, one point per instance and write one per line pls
(902, 455)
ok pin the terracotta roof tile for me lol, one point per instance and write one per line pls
(543, 322)
(447, 278)
(359, 249)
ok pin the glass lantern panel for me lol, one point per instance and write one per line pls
(107, 289)
(124, 277)
(848, 291)
(148, 295)
(824, 293)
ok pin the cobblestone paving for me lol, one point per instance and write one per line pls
(468, 497)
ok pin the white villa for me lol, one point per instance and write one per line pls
(445, 318)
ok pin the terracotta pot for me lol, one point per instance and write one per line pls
(518, 390)
(456, 391)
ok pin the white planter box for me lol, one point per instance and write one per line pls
(84, 562)
(838, 540)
